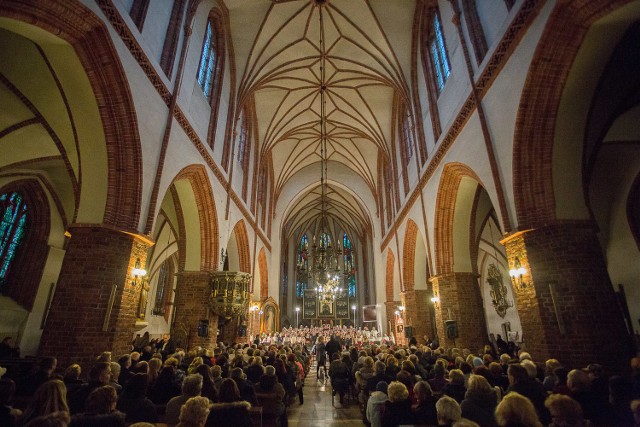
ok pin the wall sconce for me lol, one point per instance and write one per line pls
(516, 274)
(138, 272)
(436, 301)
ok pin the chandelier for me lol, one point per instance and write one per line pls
(324, 275)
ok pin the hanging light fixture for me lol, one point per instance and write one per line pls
(324, 273)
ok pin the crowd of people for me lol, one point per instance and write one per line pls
(423, 385)
(308, 335)
(394, 385)
(160, 383)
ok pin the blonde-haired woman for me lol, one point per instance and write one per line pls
(515, 409)
(50, 397)
(397, 410)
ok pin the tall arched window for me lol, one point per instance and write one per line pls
(349, 266)
(303, 267)
(171, 38)
(13, 225)
(438, 51)
(208, 59)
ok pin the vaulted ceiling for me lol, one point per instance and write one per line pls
(278, 59)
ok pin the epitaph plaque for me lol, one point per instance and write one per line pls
(342, 307)
(309, 304)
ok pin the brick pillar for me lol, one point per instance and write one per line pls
(460, 300)
(94, 306)
(567, 306)
(192, 305)
(417, 312)
(391, 307)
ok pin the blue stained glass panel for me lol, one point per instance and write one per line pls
(439, 54)
(349, 269)
(207, 62)
(302, 263)
(13, 212)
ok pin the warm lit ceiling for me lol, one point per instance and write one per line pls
(277, 58)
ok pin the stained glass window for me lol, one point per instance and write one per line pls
(13, 214)
(207, 62)
(439, 54)
(349, 269)
(302, 264)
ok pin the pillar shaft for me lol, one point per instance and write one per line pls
(460, 300)
(567, 306)
(193, 289)
(418, 312)
(95, 302)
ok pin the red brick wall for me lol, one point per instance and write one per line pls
(97, 259)
(460, 300)
(418, 313)
(264, 275)
(192, 304)
(568, 255)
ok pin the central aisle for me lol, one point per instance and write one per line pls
(317, 410)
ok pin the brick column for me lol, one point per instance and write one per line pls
(192, 305)
(567, 305)
(94, 306)
(390, 308)
(417, 312)
(460, 300)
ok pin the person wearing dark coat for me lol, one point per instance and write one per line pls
(397, 410)
(379, 368)
(100, 410)
(134, 402)
(247, 392)
(455, 387)
(425, 410)
(340, 375)
(332, 347)
(533, 390)
(231, 410)
(30, 384)
(270, 394)
(8, 415)
(165, 387)
(208, 387)
(167, 346)
(255, 371)
(125, 370)
(592, 406)
(480, 402)
(99, 376)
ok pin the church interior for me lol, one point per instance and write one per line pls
(222, 169)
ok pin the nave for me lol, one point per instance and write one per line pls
(317, 410)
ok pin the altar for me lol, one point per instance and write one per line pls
(320, 310)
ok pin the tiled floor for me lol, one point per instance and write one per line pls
(317, 410)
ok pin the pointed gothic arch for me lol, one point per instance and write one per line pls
(199, 184)
(450, 180)
(87, 34)
(238, 247)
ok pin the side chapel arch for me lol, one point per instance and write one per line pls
(74, 23)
